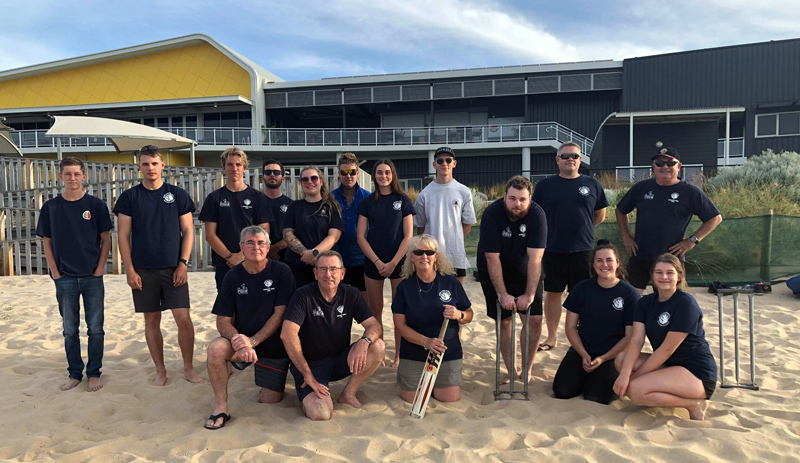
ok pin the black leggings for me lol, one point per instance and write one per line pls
(572, 380)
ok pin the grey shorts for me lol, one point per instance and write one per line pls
(158, 293)
(409, 372)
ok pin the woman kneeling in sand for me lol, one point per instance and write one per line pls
(428, 294)
(681, 372)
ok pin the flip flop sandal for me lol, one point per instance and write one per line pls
(225, 418)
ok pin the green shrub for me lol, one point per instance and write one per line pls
(769, 171)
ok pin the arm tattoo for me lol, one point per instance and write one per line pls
(292, 242)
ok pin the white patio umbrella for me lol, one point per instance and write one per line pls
(6, 145)
(126, 136)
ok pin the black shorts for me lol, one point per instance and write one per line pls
(324, 371)
(354, 276)
(371, 271)
(710, 387)
(565, 270)
(490, 295)
(461, 272)
(158, 293)
(271, 373)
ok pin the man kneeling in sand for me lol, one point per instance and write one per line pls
(316, 333)
(249, 308)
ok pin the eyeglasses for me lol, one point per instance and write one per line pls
(441, 161)
(252, 244)
(276, 172)
(669, 163)
(427, 252)
(350, 172)
(566, 156)
(312, 179)
(328, 269)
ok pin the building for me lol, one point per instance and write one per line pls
(716, 106)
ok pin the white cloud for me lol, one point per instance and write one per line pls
(328, 66)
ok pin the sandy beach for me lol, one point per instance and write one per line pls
(131, 421)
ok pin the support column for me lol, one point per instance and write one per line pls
(630, 142)
(526, 162)
(726, 157)
(58, 148)
(431, 170)
(191, 155)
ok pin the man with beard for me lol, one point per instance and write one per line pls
(512, 241)
(273, 176)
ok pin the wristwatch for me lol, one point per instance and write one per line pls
(694, 239)
(314, 252)
(369, 341)
(253, 340)
(184, 262)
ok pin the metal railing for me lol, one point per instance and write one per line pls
(737, 148)
(638, 173)
(203, 136)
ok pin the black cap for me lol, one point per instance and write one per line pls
(445, 150)
(668, 152)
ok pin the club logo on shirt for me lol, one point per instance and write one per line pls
(507, 232)
(268, 286)
(283, 208)
(673, 198)
(169, 198)
(242, 289)
(340, 312)
(324, 211)
(246, 204)
(649, 195)
(663, 319)
(224, 203)
(86, 215)
(522, 230)
(317, 312)
(444, 295)
(618, 303)
(456, 203)
(584, 191)
(396, 205)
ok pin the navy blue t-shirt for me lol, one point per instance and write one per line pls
(155, 224)
(348, 243)
(569, 204)
(74, 228)
(250, 299)
(310, 224)
(233, 211)
(385, 220)
(604, 313)
(512, 240)
(423, 311)
(663, 214)
(680, 313)
(325, 326)
(278, 206)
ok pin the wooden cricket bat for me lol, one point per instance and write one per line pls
(428, 379)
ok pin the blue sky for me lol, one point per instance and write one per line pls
(303, 40)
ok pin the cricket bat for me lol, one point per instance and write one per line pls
(428, 378)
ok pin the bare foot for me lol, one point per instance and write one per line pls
(94, 385)
(396, 363)
(161, 379)
(349, 400)
(192, 377)
(530, 377)
(698, 412)
(70, 384)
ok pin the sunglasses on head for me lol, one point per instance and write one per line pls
(312, 179)
(350, 172)
(441, 161)
(566, 156)
(427, 252)
(669, 163)
(276, 172)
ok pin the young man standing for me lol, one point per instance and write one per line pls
(349, 195)
(228, 210)
(75, 228)
(444, 210)
(273, 176)
(156, 235)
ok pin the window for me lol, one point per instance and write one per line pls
(779, 124)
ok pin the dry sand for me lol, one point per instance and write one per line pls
(131, 421)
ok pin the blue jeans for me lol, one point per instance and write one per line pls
(68, 292)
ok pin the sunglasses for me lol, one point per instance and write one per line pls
(276, 172)
(669, 163)
(441, 161)
(350, 172)
(566, 156)
(312, 179)
(427, 252)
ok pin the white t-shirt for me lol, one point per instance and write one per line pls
(441, 210)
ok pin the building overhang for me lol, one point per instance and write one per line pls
(143, 105)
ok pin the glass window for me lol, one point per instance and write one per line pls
(767, 125)
(163, 123)
(177, 122)
(149, 121)
(789, 124)
(230, 120)
(245, 119)
(211, 120)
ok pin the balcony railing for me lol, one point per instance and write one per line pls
(737, 148)
(407, 136)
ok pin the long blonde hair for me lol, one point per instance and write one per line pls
(442, 264)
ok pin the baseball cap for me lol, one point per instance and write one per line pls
(444, 150)
(668, 152)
